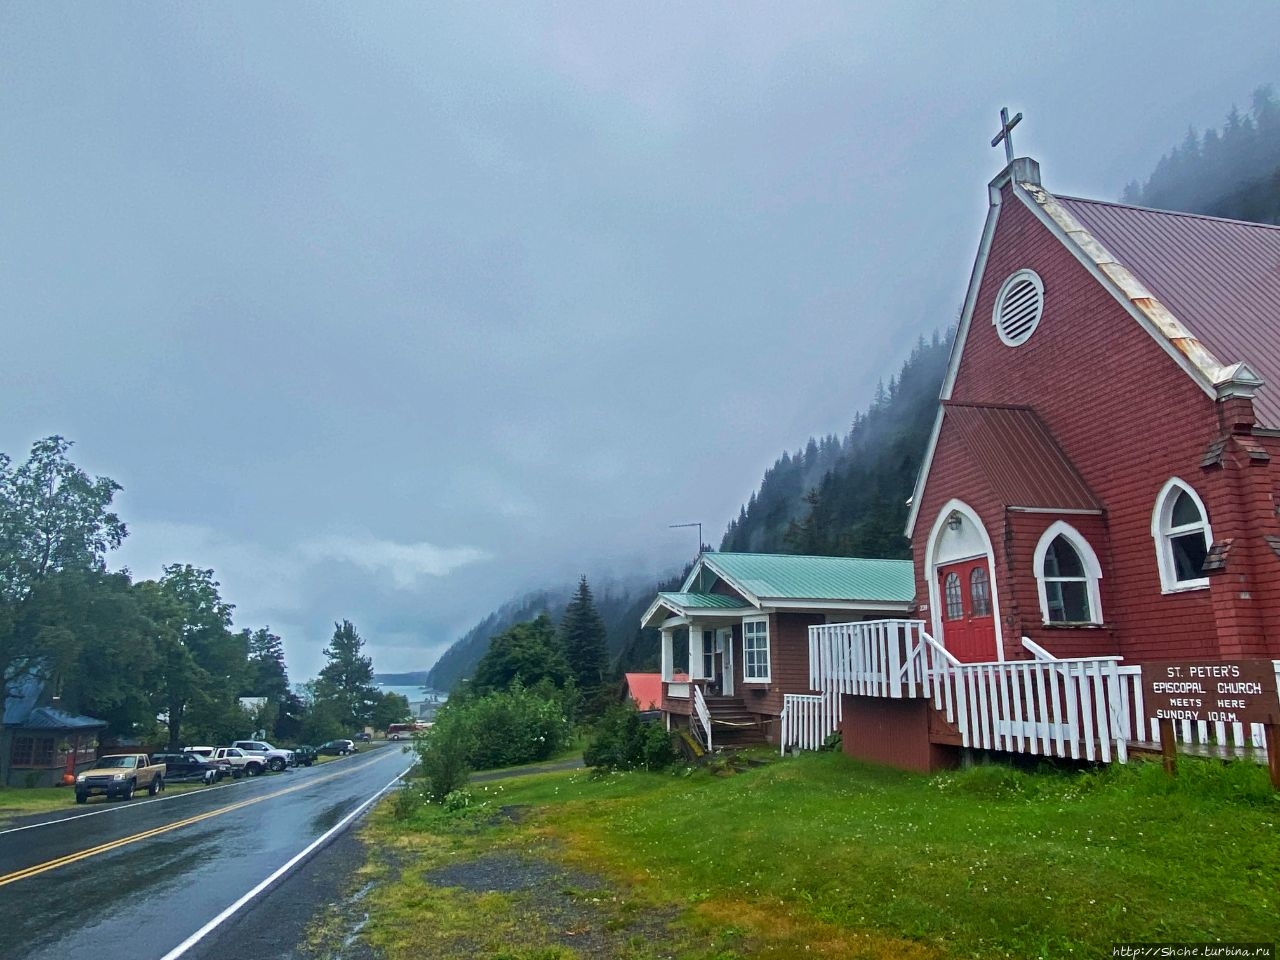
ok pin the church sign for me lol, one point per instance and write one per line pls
(1231, 691)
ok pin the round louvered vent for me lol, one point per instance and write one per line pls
(1018, 308)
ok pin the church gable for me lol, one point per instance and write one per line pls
(1088, 361)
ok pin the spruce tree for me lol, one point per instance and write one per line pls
(347, 679)
(583, 633)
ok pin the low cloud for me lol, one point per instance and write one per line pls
(404, 563)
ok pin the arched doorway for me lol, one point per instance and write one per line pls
(962, 589)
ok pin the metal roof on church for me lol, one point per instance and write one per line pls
(1019, 456)
(1220, 278)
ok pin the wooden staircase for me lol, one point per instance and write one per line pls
(732, 724)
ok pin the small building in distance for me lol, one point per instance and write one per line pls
(40, 742)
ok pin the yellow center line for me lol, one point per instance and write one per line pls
(156, 831)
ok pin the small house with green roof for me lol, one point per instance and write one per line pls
(735, 640)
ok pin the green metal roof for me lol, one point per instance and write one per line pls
(771, 576)
(704, 601)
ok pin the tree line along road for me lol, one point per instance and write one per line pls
(154, 878)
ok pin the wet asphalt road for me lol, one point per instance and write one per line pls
(143, 898)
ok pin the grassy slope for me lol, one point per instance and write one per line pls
(857, 861)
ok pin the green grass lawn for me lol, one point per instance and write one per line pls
(19, 801)
(823, 855)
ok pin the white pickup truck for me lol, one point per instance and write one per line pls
(276, 759)
(241, 763)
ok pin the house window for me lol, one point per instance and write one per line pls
(1180, 527)
(22, 752)
(1067, 576)
(755, 651)
(708, 653)
(979, 592)
(43, 752)
(955, 604)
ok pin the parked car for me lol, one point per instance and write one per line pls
(190, 768)
(120, 775)
(336, 748)
(405, 731)
(305, 755)
(275, 759)
(364, 737)
(241, 763)
(225, 769)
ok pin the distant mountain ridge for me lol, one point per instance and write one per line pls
(620, 604)
(415, 678)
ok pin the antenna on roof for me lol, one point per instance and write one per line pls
(673, 526)
(1006, 133)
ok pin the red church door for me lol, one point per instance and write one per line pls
(968, 622)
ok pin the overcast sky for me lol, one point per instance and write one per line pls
(389, 311)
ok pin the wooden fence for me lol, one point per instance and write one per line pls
(807, 720)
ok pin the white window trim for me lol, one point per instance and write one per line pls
(1162, 533)
(1092, 573)
(768, 651)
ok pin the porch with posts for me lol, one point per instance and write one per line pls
(906, 700)
(706, 692)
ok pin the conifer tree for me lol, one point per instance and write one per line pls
(583, 633)
(347, 679)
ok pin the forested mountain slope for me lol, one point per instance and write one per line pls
(1232, 173)
(847, 496)
(620, 605)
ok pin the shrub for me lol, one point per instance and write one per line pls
(444, 755)
(499, 729)
(623, 741)
(408, 799)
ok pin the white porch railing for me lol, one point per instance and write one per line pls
(1076, 708)
(807, 720)
(877, 658)
(1085, 707)
(700, 724)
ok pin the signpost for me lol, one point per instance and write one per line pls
(1235, 691)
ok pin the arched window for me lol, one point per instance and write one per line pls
(955, 604)
(1067, 576)
(1180, 527)
(980, 592)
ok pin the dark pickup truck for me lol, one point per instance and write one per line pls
(190, 768)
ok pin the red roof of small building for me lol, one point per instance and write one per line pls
(645, 690)
(1019, 457)
(1220, 278)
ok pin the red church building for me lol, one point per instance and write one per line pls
(1101, 487)
(1104, 471)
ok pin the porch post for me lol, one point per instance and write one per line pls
(695, 652)
(668, 656)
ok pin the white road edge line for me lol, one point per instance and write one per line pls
(293, 861)
(141, 803)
